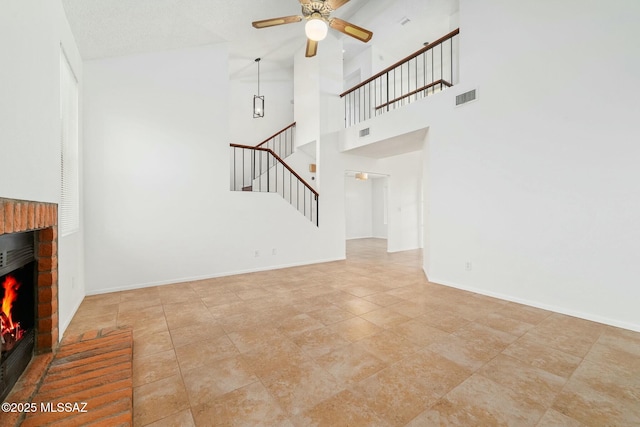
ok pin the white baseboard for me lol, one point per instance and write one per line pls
(204, 277)
(537, 304)
(64, 325)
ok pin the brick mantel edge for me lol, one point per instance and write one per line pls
(41, 217)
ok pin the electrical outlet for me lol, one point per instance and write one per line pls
(274, 251)
(468, 266)
(256, 254)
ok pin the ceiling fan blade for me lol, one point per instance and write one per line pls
(351, 29)
(312, 48)
(337, 3)
(276, 21)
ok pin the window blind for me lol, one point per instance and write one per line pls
(69, 209)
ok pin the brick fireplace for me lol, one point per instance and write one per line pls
(19, 216)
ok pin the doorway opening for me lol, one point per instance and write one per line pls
(366, 209)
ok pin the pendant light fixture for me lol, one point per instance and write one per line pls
(258, 101)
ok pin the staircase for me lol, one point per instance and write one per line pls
(262, 168)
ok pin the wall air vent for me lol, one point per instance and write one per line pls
(463, 98)
(364, 132)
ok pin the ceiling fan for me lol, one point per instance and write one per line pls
(317, 15)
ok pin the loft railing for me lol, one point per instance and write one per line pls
(262, 170)
(282, 142)
(425, 72)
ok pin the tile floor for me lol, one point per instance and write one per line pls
(364, 342)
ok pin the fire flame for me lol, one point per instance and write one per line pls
(8, 328)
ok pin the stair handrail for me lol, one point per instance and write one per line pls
(402, 61)
(279, 160)
(276, 134)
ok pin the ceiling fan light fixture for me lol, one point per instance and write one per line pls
(316, 29)
(317, 14)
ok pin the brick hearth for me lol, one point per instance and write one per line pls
(94, 370)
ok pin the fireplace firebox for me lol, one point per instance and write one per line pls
(31, 230)
(18, 272)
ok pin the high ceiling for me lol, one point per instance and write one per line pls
(107, 28)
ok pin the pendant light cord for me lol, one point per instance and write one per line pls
(258, 61)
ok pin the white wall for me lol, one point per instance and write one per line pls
(31, 34)
(332, 202)
(359, 68)
(379, 209)
(405, 201)
(365, 207)
(317, 82)
(307, 98)
(426, 202)
(158, 204)
(537, 182)
(370, 61)
(428, 21)
(331, 81)
(358, 207)
(277, 88)
(299, 161)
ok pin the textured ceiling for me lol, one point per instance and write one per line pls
(106, 28)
